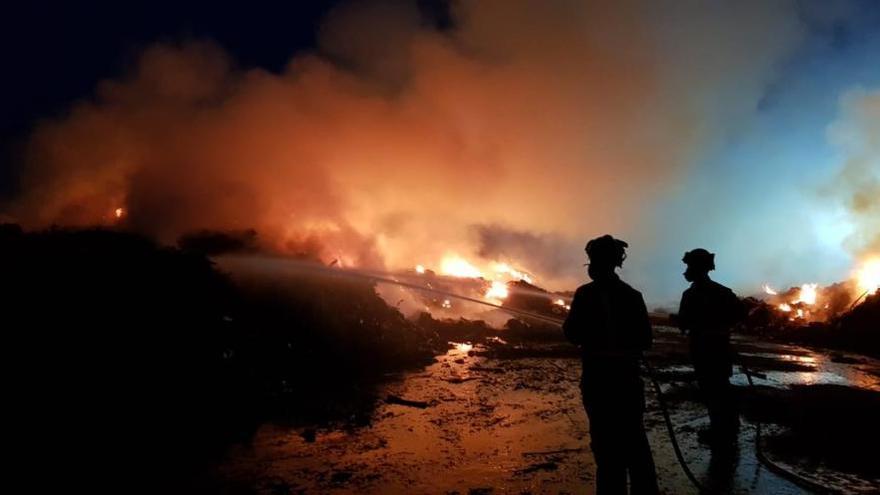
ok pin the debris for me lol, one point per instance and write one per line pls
(393, 399)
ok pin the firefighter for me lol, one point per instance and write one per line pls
(707, 313)
(609, 321)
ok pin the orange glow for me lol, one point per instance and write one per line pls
(504, 268)
(784, 308)
(808, 294)
(119, 212)
(420, 269)
(868, 276)
(456, 266)
(498, 290)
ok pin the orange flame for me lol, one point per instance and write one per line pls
(868, 277)
(456, 266)
(497, 291)
(808, 294)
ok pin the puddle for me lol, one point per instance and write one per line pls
(510, 425)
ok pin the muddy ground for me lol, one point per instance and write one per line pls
(491, 416)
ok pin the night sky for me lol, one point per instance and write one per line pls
(757, 192)
(56, 52)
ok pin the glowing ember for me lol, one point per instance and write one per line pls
(800, 313)
(456, 266)
(784, 307)
(446, 304)
(420, 269)
(561, 302)
(506, 269)
(808, 294)
(769, 290)
(119, 212)
(868, 276)
(498, 290)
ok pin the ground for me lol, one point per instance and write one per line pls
(495, 417)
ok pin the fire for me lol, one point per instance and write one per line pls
(456, 266)
(506, 269)
(785, 308)
(769, 290)
(868, 276)
(498, 290)
(808, 294)
(119, 212)
(420, 269)
(561, 302)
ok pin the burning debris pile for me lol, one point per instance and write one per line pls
(498, 285)
(842, 315)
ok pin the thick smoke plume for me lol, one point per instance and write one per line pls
(857, 134)
(393, 142)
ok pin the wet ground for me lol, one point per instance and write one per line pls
(493, 417)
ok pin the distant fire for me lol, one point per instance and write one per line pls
(456, 266)
(498, 290)
(811, 303)
(808, 294)
(504, 268)
(562, 303)
(119, 212)
(868, 277)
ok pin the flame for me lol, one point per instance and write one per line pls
(800, 313)
(446, 304)
(808, 294)
(506, 269)
(456, 266)
(498, 290)
(784, 307)
(119, 212)
(561, 302)
(868, 276)
(420, 269)
(769, 290)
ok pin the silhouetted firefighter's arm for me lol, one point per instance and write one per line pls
(643, 326)
(573, 325)
(683, 319)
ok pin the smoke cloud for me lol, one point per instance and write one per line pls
(396, 142)
(857, 186)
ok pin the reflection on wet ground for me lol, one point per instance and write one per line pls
(472, 423)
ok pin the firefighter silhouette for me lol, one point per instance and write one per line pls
(707, 313)
(609, 321)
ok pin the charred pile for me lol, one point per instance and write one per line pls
(139, 358)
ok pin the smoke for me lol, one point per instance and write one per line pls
(551, 122)
(857, 186)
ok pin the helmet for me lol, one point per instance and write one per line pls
(700, 259)
(607, 249)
